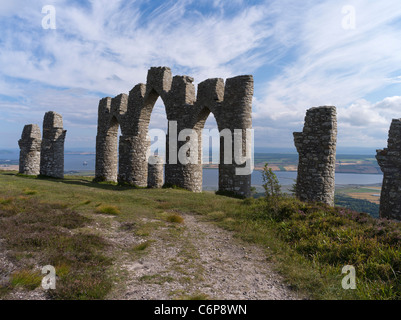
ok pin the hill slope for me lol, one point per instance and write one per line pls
(116, 242)
(147, 246)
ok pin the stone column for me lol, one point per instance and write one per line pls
(106, 143)
(389, 161)
(30, 146)
(52, 153)
(316, 146)
(181, 100)
(155, 172)
(133, 161)
(237, 111)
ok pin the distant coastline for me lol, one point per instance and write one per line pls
(278, 162)
(80, 153)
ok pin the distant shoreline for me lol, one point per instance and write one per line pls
(12, 167)
(6, 167)
(84, 160)
(81, 153)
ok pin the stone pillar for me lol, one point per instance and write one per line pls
(155, 172)
(237, 111)
(106, 143)
(389, 161)
(316, 146)
(52, 153)
(182, 99)
(134, 143)
(30, 145)
(133, 161)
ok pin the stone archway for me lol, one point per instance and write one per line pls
(209, 100)
(199, 127)
(141, 101)
(231, 105)
(230, 102)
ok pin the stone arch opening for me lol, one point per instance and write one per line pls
(141, 141)
(209, 148)
(136, 141)
(157, 130)
(146, 112)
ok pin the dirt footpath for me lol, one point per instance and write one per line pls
(194, 260)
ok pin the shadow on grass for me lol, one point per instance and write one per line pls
(75, 180)
(230, 194)
(8, 173)
(81, 182)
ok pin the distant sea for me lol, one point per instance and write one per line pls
(210, 178)
(86, 162)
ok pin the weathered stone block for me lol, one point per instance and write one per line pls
(52, 147)
(316, 146)
(390, 163)
(30, 146)
(155, 172)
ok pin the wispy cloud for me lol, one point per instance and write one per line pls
(334, 66)
(299, 53)
(107, 46)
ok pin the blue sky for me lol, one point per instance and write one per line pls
(299, 53)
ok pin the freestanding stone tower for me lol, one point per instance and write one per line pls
(389, 161)
(52, 153)
(316, 146)
(30, 145)
(230, 102)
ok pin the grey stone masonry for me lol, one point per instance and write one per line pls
(155, 172)
(316, 146)
(52, 151)
(230, 103)
(30, 145)
(106, 143)
(389, 161)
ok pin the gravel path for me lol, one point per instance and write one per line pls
(192, 260)
(198, 259)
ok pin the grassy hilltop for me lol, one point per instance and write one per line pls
(70, 224)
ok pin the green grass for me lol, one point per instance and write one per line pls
(194, 297)
(30, 192)
(308, 244)
(324, 240)
(113, 210)
(42, 233)
(27, 279)
(142, 246)
(175, 218)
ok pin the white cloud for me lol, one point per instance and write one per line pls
(336, 67)
(368, 123)
(8, 7)
(301, 56)
(109, 48)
